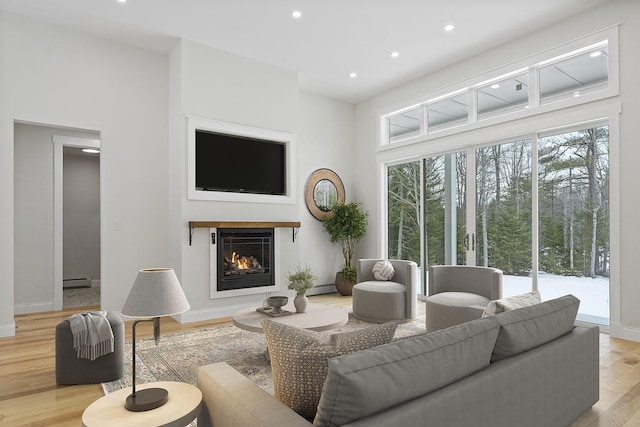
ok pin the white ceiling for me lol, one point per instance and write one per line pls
(332, 38)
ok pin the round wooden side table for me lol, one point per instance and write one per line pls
(185, 402)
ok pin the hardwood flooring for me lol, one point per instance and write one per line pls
(29, 395)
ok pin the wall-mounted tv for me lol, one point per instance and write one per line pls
(239, 164)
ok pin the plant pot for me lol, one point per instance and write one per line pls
(300, 302)
(343, 285)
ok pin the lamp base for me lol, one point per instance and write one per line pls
(147, 399)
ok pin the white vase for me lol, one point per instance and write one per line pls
(300, 302)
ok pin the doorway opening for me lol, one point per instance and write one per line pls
(81, 227)
(42, 223)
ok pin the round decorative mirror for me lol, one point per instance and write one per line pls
(323, 190)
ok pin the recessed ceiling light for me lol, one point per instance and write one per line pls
(93, 150)
(449, 27)
(395, 54)
(353, 75)
(595, 54)
(122, 1)
(576, 93)
(495, 86)
(296, 14)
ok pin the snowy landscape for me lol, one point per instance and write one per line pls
(592, 293)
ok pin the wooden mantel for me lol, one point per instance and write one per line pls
(242, 224)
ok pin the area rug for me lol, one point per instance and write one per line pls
(178, 356)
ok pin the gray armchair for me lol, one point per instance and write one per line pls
(382, 301)
(459, 293)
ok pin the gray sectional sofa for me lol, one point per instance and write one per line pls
(528, 367)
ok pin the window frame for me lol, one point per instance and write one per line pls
(530, 65)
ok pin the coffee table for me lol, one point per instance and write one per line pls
(317, 317)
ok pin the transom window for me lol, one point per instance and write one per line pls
(538, 86)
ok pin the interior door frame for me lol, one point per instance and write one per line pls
(59, 142)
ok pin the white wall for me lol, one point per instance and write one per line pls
(326, 136)
(53, 76)
(211, 84)
(81, 215)
(33, 204)
(626, 12)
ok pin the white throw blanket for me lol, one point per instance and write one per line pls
(92, 335)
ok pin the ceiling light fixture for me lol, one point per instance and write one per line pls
(296, 14)
(595, 54)
(353, 75)
(395, 54)
(576, 93)
(91, 150)
(122, 1)
(449, 27)
(495, 86)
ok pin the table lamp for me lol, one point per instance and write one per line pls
(156, 293)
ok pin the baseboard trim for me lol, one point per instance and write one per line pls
(8, 330)
(36, 307)
(76, 283)
(322, 289)
(618, 330)
(211, 313)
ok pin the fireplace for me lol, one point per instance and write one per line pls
(245, 258)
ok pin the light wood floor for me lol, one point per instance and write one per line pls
(29, 395)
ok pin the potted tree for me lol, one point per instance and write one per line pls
(346, 225)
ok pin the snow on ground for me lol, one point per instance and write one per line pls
(592, 293)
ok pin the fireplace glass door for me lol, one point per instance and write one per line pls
(245, 258)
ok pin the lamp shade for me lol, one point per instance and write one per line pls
(156, 292)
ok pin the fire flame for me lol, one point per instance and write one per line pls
(242, 262)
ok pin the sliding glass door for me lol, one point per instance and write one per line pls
(540, 214)
(426, 211)
(574, 252)
(503, 225)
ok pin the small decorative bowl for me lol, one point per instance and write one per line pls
(277, 302)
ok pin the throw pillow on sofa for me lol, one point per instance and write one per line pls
(299, 359)
(529, 327)
(512, 303)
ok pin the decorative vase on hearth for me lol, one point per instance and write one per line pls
(300, 302)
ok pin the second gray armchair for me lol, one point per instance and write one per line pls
(459, 293)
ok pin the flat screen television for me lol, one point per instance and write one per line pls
(239, 164)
